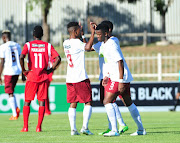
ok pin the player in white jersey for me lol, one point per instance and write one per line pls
(96, 47)
(78, 84)
(116, 80)
(9, 54)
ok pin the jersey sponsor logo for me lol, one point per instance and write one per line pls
(38, 49)
(38, 45)
(67, 46)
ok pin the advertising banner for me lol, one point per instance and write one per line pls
(57, 97)
(145, 94)
(142, 94)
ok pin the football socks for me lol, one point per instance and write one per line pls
(12, 105)
(72, 118)
(136, 116)
(86, 115)
(111, 115)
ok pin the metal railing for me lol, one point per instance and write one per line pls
(154, 66)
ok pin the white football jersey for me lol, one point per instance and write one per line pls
(112, 54)
(96, 47)
(74, 50)
(11, 51)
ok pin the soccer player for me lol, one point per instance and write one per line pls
(47, 108)
(122, 126)
(78, 84)
(116, 81)
(39, 54)
(9, 54)
(176, 102)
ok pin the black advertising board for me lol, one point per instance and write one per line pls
(145, 94)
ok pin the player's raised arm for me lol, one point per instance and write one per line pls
(90, 42)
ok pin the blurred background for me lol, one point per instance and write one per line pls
(139, 25)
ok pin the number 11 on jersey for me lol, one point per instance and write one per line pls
(36, 55)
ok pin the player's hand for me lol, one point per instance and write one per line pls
(105, 81)
(23, 77)
(93, 27)
(121, 88)
(49, 70)
(81, 27)
(0, 81)
(25, 72)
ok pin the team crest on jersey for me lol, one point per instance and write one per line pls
(38, 45)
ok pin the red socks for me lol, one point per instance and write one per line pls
(47, 105)
(26, 111)
(40, 116)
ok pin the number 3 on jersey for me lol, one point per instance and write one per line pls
(70, 60)
(36, 55)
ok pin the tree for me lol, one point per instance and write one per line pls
(161, 7)
(45, 7)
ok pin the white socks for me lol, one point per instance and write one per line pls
(15, 101)
(86, 115)
(72, 118)
(12, 105)
(118, 115)
(136, 116)
(112, 116)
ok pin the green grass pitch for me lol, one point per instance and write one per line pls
(161, 127)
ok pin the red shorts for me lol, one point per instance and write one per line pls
(113, 88)
(41, 88)
(10, 83)
(79, 92)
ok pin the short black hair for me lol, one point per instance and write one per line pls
(109, 23)
(7, 33)
(103, 27)
(38, 31)
(72, 24)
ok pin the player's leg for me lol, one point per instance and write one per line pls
(42, 91)
(72, 99)
(40, 114)
(26, 112)
(122, 125)
(84, 95)
(134, 111)
(30, 91)
(10, 83)
(72, 118)
(176, 102)
(101, 92)
(47, 109)
(108, 103)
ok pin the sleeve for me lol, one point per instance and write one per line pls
(2, 54)
(25, 50)
(116, 52)
(54, 53)
(19, 49)
(97, 46)
(81, 45)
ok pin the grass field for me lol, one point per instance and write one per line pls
(161, 127)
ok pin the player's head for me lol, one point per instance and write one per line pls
(74, 29)
(109, 23)
(38, 32)
(6, 35)
(102, 32)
